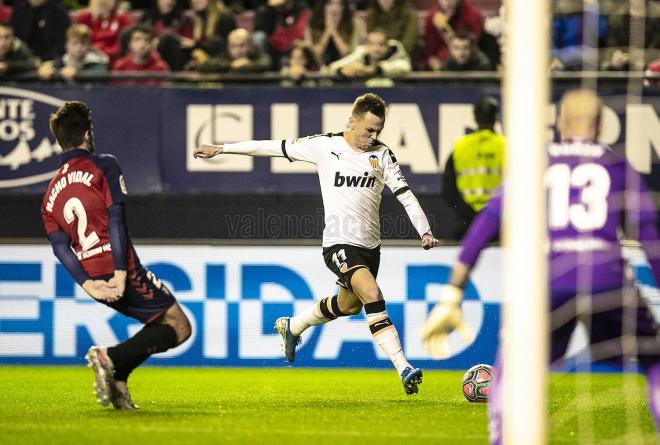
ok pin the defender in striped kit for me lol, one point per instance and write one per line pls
(83, 213)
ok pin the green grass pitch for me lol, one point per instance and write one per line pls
(44, 405)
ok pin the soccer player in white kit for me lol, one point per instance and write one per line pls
(353, 168)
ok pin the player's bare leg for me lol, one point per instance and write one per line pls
(327, 309)
(348, 302)
(177, 319)
(384, 333)
(169, 330)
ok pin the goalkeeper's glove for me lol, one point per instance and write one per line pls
(443, 319)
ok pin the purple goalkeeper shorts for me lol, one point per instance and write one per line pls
(608, 317)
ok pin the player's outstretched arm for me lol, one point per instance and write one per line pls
(265, 148)
(429, 241)
(417, 217)
(206, 151)
(446, 316)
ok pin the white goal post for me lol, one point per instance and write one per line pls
(525, 314)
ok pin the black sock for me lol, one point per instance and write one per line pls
(329, 308)
(149, 340)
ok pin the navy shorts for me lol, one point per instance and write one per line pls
(607, 321)
(146, 298)
(344, 259)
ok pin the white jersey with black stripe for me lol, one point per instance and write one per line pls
(352, 183)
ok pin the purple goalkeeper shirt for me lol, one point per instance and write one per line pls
(592, 194)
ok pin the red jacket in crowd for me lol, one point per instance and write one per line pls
(466, 17)
(153, 64)
(284, 35)
(5, 14)
(105, 32)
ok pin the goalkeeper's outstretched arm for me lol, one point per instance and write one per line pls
(446, 316)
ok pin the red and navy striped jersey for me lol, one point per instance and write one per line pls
(76, 203)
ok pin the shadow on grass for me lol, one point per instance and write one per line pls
(181, 410)
(161, 412)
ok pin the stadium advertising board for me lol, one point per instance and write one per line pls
(27, 149)
(233, 296)
(153, 132)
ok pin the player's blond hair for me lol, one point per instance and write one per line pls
(369, 103)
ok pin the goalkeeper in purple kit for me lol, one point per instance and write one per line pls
(592, 195)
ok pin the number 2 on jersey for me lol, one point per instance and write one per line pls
(590, 213)
(72, 209)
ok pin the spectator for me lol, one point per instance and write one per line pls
(442, 21)
(621, 16)
(492, 39)
(141, 55)
(15, 57)
(241, 56)
(169, 16)
(174, 27)
(106, 24)
(379, 57)
(653, 69)
(400, 21)
(300, 62)
(212, 24)
(568, 41)
(474, 169)
(278, 25)
(42, 25)
(80, 57)
(464, 55)
(5, 13)
(334, 30)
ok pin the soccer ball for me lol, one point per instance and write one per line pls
(476, 382)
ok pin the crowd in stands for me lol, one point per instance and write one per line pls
(64, 40)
